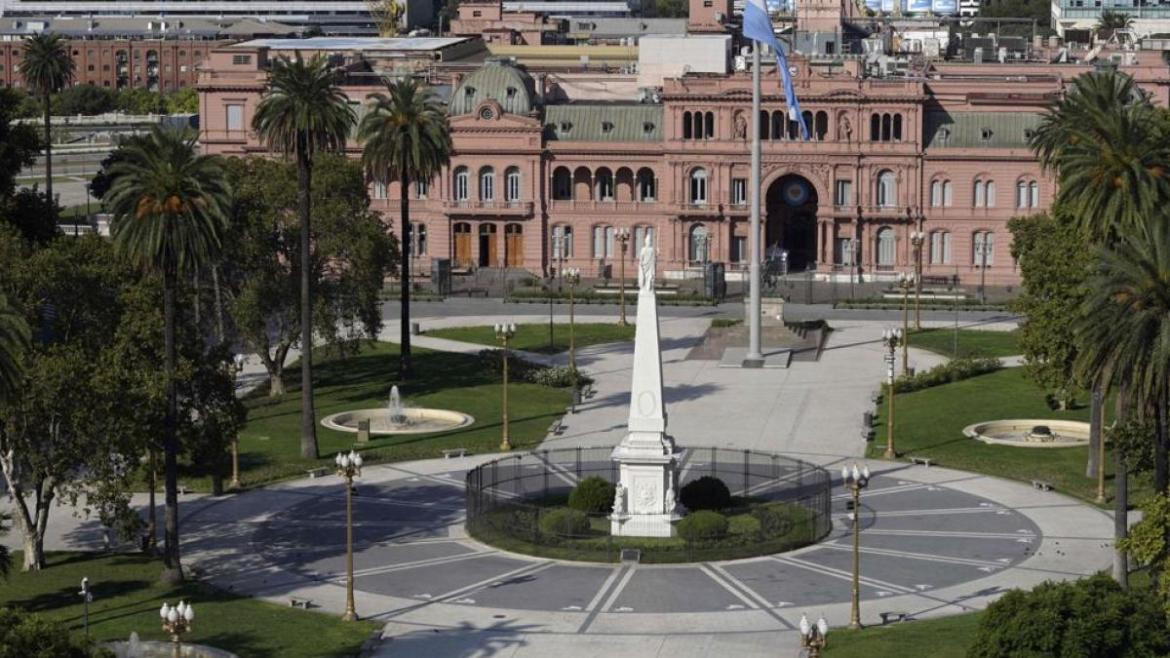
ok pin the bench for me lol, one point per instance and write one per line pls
(895, 616)
(1043, 485)
(922, 461)
(298, 602)
(454, 452)
(319, 472)
(868, 433)
(557, 427)
(475, 292)
(587, 391)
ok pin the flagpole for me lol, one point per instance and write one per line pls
(754, 357)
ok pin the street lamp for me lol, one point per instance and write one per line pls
(813, 636)
(855, 480)
(86, 599)
(503, 333)
(623, 236)
(236, 367)
(982, 251)
(905, 281)
(891, 338)
(176, 621)
(349, 466)
(572, 276)
(917, 238)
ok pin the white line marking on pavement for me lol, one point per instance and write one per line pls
(839, 574)
(727, 586)
(941, 533)
(618, 589)
(416, 564)
(888, 490)
(604, 588)
(945, 511)
(929, 557)
(742, 586)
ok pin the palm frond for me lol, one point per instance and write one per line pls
(47, 65)
(404, 129)
(304, 105)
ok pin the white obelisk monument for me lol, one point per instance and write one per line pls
(646, 498)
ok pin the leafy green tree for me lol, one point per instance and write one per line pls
(24, 635)
(136, 100)
(406, 138)
(170, 208)
(183, 101)
(670, 8)
(353, 251)
(86, 100)
(47, 68)
(304, 113)
(14, 341)
(19, 143)
(1147, 543)
(28, 211)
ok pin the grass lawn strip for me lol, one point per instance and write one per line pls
(535, 337)
(945, 637)
(972, 342)
(127, 597)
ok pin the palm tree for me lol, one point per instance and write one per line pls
(304, 112)
(1110, 21)
(170, 208)
(406, 138)
(14, 340)
(47, 68)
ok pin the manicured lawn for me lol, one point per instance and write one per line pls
(929, 423)
(946, 637)
(972, 342)
(270, 442)
(534, 337)
(127, 597)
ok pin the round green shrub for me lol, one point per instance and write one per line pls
(743, 525)
(708, 492)
(564, 522)
(703, 525)
(773, 520)
(592, 495)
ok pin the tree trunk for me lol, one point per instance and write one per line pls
(1096, 401)
(152, 520)
(220, 335)
(1120, 500)
(48, 156)
(405, 365)
(275, 385)
(1161, 448)
(308, 414)
(173, 571)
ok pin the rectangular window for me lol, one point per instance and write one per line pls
(420, 239)
(739, 249)
(379, 191)
(562, 242)
(984, 249)
(843, 193)
(239, 60)
(739, 191)
(843, 252)
(235, 117)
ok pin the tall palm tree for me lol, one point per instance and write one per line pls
(406, 138)
(1111, 21)
(304, 112)
(14, 340)
(47, 68)
(170, 208)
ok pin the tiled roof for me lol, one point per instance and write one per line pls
(611, 122)
(496, 80)
(979, 129)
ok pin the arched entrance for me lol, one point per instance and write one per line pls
(791, 207)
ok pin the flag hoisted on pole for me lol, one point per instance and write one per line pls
(757, 26)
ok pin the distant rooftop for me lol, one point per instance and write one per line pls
(567, 8)
(356, 43)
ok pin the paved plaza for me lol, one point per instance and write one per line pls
(934, 542)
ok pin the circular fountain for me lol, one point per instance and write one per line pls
(397, 418)
(1030, 433)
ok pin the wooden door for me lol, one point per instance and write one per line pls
(488, 246)
(514, 245)
(463, 245)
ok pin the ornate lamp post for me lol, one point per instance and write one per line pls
(623, 236)
(891, 338)
(905, 281)
(237, 366)
(982, 251)
(176, 621)
(572, 277)
(813, 636)
(917, 238)
(349, 466)
(86, 599)
(503, 333)
(855, 480)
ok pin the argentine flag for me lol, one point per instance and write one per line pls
(758, 27)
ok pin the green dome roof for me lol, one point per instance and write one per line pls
(498, 80)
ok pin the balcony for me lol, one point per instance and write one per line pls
(702, 209)
(492, 208)
(610, 206)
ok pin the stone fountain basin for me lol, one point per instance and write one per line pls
(1018, 432)
(419, 421)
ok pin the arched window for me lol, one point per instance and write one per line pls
(604, 183)
(1021, 194)
(461, 184)
(948, 195)
(562, 241)
(940, 248)
(886, 127)
(512, 185)
(698, 244)
(699, 186)
(697, 131)
(686, 125)
(808, 122)
(821, 129)
(646, 185)
(940, 193)
(1033, 194)
(562, 184)
(886, 194)
(875, 127)
(1027, 194)
(420, 189)
(487, 184)
(984, 193)
(603, 241)
(983, 249)
(765, 121)
(778, 125)
(989, 191)
(977, 196)
(897, 127)
(709, 128)
(793, 128)
(885, 248)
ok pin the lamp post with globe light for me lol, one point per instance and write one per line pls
(813, 636)
(891, 338)
(855, 480)
(349, 466)
(573, 276)
(504, 332)
(905, 281)
(623, 236)
(917, 238)
(176, 621)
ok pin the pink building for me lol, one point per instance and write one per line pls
(545, 174)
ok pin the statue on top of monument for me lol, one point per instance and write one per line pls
(646, 265)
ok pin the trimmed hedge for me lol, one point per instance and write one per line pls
(773, 520)
(521, 370)
(703, 525)
(562, 521)
(592, 495)
(945, 373)
(744, 525)
(707, 492)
